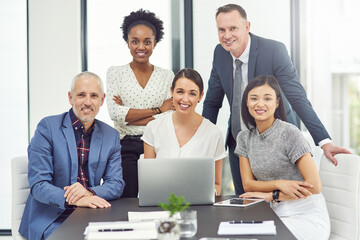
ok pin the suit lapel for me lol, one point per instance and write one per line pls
(71, 144)
(253, 56)
(226, 67)
(94, 154)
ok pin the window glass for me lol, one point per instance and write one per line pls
(354, 109)
(331, 66)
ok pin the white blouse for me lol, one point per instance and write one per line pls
(121, 81)
(206, 142)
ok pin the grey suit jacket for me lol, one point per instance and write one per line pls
(267, 57)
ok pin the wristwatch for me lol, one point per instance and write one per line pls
(275, 195)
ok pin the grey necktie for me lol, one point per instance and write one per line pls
(236, 100)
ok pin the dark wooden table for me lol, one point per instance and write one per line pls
(208, 216)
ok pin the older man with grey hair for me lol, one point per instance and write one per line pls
(68, 156)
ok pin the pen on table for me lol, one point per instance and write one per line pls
(116, 230)
(241, 221)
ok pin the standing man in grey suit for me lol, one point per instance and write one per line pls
(258, 56)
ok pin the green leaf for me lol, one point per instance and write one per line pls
(175, 204)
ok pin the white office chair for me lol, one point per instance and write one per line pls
(20, 192)
(341, 189)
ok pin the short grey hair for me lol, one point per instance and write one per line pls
(85, 75)
(231, 7)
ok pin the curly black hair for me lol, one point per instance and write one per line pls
(143, 17)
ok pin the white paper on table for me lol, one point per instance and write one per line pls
(150, 216)
(141, 230)
(135, 235)
(264, 228)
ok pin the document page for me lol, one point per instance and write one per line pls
(120, 230)
(262, 228)
(149, 216)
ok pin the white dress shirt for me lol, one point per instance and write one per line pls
(244, 58)
(206, 142)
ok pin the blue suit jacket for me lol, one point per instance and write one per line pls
(53, 164)
(267, 57)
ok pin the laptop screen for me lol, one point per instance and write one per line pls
(193, 178)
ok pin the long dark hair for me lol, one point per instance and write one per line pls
(270, 80)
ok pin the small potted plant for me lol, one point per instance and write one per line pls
(169, 229)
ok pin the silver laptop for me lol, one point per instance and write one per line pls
(193, 178)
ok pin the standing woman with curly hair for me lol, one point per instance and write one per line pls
(138, 92)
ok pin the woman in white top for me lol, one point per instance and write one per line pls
(276, 164)
(185, 133)
(137, 92)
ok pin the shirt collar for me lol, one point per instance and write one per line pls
(77, 125)
(244, 57)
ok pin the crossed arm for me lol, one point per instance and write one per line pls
(289, 189)
(141, 117)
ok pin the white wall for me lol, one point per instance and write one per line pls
(319, 61)
(54, 56)
(13, 104)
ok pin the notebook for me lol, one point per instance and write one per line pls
(193, 178)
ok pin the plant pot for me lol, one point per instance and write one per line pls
(168, 229)
(187, 223)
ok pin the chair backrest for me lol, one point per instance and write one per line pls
(20, 192)
(341, 185)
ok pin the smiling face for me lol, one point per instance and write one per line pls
(86, 99)
(233, 32)
(141, 42)
(262, 103)
(186, 95)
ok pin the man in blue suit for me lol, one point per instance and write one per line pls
(68, 156)
(259, 56)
